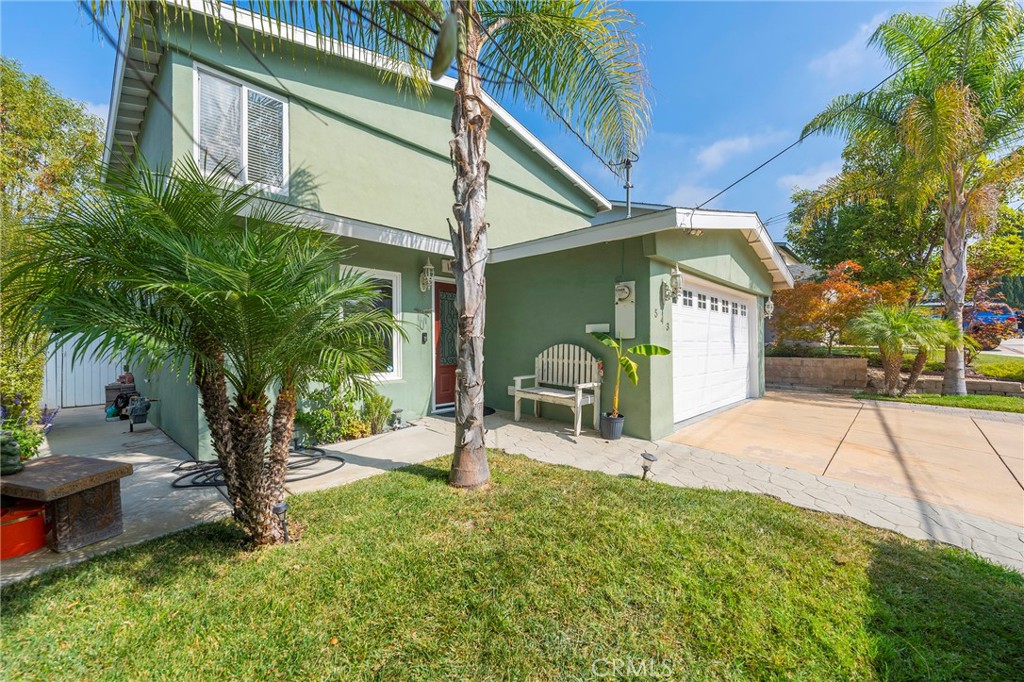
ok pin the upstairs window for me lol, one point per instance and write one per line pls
(242, 129)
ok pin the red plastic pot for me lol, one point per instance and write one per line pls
(22, 529)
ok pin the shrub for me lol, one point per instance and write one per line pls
(1002, 369)
(989, 336)
(331, 415)
(377, 412)
(21, 376)
(26, 430)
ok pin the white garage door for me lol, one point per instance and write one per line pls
(711, 350)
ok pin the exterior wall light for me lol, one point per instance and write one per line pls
(427, 277)
(649, 461)
(675, 283)
(769, 308)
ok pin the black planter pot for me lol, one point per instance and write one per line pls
(611, 427)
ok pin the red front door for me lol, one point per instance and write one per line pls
(446, 333)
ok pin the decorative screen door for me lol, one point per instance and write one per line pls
(446, 333)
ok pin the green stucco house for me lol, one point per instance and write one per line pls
(370, 164)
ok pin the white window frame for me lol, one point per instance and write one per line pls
(198, 69)
(396, 308)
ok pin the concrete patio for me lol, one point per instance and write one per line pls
(913, 471)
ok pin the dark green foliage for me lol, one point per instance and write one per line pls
(878, 234)
(1012, 288)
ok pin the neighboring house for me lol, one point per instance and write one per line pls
(802, 272)
(370, 164)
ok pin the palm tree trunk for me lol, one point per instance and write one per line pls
(215, 403)
(281, 430)
(250, 428)
(954, 288)
(891, 362)
(470, 121)
(915, 371)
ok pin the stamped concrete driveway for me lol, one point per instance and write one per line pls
(965, 459)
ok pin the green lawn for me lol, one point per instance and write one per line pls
(996, 403)
(999, 366)
(553, 574)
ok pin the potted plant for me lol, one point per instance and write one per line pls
(611, 422)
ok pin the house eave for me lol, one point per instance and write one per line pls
(748, 224)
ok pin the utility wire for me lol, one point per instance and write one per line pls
(880, 83)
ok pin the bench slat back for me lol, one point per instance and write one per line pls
(566, 364)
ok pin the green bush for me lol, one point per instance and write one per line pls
(377, 412)
(1012, 370)
(330, 416)
(21, 377)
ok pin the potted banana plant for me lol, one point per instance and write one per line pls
(611, 422)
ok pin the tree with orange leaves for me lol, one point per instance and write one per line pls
(819, 312)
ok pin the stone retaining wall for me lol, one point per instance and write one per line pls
(933, 384)
(838, 374)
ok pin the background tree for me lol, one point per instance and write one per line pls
(819, 312)
(892, 233)
(580, 55)
(159, 267)
(957, 110)
(49, 149)
(1011, 287)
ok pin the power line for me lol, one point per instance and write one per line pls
(880, 83)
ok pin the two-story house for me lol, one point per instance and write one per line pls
(368, 163)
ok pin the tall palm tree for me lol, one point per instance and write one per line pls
(160, 267)
(580, 56)
(894, 328)
(957, 110)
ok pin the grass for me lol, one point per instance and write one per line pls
(553, 574)
(995, 403)
(999, 367)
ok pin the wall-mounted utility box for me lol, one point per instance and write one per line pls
(625, 310)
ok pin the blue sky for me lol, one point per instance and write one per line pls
(733, 82)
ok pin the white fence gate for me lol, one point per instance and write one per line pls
(78, 383)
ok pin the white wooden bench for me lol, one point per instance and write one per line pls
(564, 374)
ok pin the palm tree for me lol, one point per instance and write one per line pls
(957, 110)
(578, 55)
(894, 328)
(160, 267)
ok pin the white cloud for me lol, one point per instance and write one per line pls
(812, 177)
(689, 195)
(852, 56)
(716, 154)
(102, 110)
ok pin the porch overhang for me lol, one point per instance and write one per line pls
(687, 219)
